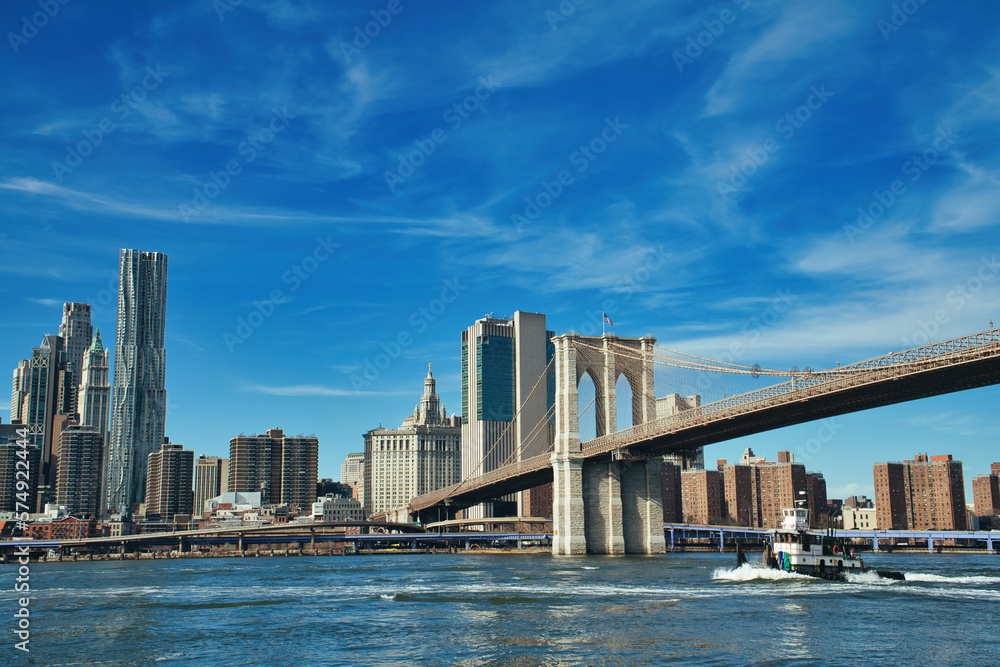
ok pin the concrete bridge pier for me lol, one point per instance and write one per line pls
(602, 508)
(642, 508)
(606, 508)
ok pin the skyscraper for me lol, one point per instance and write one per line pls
(502, 365)
(76, 332)
(95, 388)
(41, 391)
(139, 398)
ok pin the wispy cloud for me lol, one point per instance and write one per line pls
(312, 390)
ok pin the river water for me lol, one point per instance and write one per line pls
(505, 609)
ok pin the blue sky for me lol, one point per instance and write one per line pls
(697, 168)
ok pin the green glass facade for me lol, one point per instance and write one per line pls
(495, 386)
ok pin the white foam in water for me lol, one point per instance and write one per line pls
(868, 577)
(587, 567)
(937, 578)
(389, 596)
(747, 572)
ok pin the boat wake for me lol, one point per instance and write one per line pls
(747, 572)
(937, 578)
(870, 577)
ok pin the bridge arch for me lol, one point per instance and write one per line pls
(604, 359)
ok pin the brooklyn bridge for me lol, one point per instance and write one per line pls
(606, 495)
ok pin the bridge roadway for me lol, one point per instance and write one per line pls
(932, 370)
(282, 532)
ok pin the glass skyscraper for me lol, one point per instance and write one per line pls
(502, 360)
(139, 397)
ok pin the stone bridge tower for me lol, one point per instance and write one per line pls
(609, 507)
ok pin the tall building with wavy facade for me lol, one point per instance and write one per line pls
(139, 396)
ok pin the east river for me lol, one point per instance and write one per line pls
(504, 609)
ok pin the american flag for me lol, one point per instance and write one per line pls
(608, 319)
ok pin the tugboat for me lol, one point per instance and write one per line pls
(795, 548)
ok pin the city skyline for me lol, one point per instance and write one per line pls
(711, 199)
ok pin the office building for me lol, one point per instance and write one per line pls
(139, 396)
(986, 492)
(422, 455)
(701, 496)
(168, 485)
(503, 362)
(11, 453)
(927, 493)
(95, 387)
(76, 332)
(78, 481)
(281, 468)
(351, 469)
(211, 479)
(42, 389)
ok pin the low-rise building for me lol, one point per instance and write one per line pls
(865, 518)
(334, 508)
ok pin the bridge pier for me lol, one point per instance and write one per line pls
(602, 508)
(567, 505)
(642, 508)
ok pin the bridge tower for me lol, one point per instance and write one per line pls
(608, 507)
